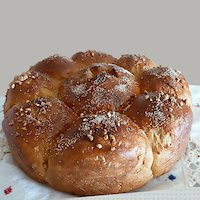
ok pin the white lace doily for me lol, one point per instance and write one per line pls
(191, 164)
(4, 149)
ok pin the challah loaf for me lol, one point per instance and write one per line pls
(95, 124)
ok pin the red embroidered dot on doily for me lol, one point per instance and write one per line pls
(8, 190)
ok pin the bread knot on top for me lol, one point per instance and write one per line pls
(95, 124)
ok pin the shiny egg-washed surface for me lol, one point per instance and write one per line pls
(95, 124)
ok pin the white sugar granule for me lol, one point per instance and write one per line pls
(79, 90)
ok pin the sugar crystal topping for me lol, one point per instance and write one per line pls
(164, 72)
(160, 103)
(121, 87)
(39, 116)
(64, 142)
(99, 89)
(22, 78)
(106, 122)
(101, 96)
(80, 90)
(156, 115)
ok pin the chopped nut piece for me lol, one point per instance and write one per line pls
(143, 59)
(43, 112)
(103, 158)
(23, 77)
(112, 137)
(91, 138)
(43, 104)
(99, 146)
(96, 158)
(82, 115)
(173, 99)
(119, 144)
(113, 149)
(13, 86)
(105, 131)
(166, 97)
(105, 137)
(17, 134)
(109, 115)
(25, 123)
(36, 148)
(114, 142)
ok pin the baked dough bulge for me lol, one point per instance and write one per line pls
(95, 124)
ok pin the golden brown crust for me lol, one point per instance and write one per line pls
(88, 126)
(29, 86)
(30, 128)
(110, 162)
(84, 59)
(167, 80)
(166, 121)
(56, 67)
(136, 64)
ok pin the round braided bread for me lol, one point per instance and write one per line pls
(95, 124)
